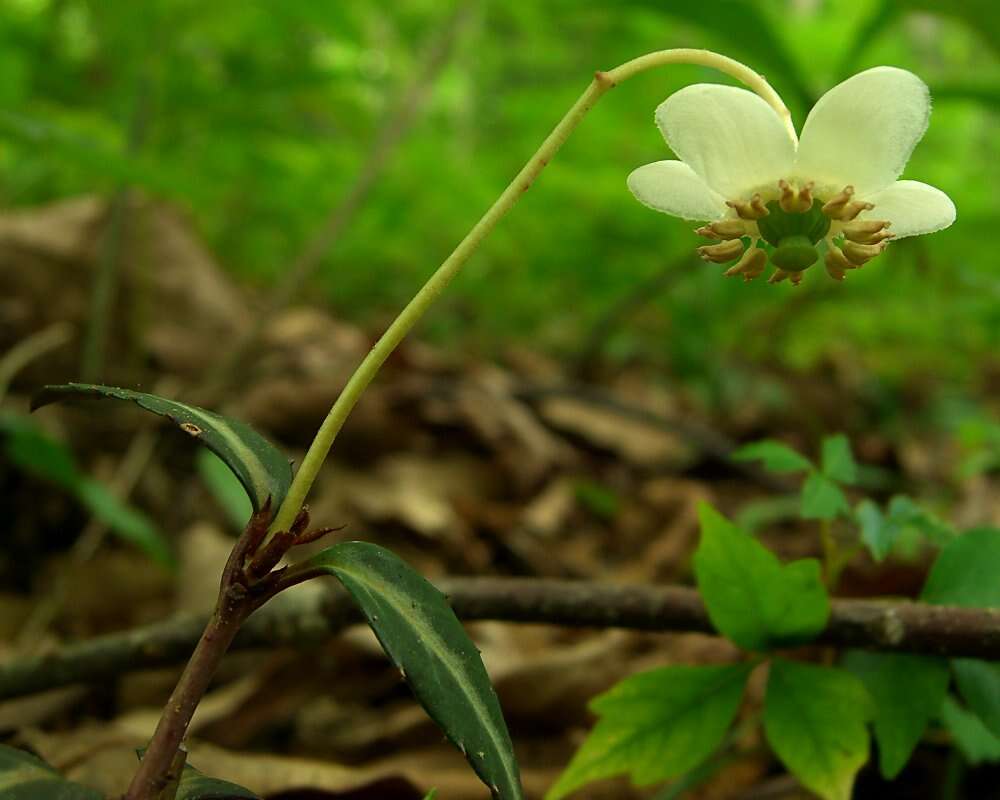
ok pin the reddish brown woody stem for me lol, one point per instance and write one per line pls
(247, 583)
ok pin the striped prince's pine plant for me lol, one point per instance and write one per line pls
(765, 195)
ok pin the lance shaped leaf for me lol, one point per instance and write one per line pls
(263, 470)
(814, 719)
(195, 785)
(752, 598)
(26, 777)
(423, 637)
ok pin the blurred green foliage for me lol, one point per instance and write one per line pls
(259, 115)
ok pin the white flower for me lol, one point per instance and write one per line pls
(836, 191)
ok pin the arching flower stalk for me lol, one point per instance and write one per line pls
(767, 196)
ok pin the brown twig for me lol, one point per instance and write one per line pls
(880, 625)
(240, 594)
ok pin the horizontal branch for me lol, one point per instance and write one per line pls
(307, 618)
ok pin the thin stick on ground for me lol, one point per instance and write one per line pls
(303, 620)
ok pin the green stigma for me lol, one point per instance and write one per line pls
(794, 235)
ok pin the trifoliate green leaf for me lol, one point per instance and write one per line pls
(656, 725)
(777, 457)
(908, 691)
(752, 598)
(815, 720)
(822, 498)
(837, 461)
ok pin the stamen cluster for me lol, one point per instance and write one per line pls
(792, 229)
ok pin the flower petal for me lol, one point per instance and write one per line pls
(912, 207)
(730, 137)
(673, 188)
(863, 130)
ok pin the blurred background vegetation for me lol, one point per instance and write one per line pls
(256, 119)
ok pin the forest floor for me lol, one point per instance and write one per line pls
(520, 466)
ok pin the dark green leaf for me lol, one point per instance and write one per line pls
(965, 573)
(657, 725)
(978, 683)
(225, 488)
(261, 468)
(837, 460)
(422, 636)
(814, 719)
(908, 691)
(973, 739)
(196, 786)
(26, 777)
(777, 457)
(751, 597)
(822, 498)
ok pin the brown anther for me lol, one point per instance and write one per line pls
(806, 197)
(852, 209)
(722, 252)
(835, 204)
(867, 231)
(753, 210)
(858, 254)
(836, 267)
(777, 276)
(865, 227)
(795, 278)
(837, 261)
(724, 229)
(789, 200)
(875, 238)
(750, 266)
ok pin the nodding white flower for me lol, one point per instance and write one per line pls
(836, 191)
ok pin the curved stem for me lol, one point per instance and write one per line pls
(415, 309)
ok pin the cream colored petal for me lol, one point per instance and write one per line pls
(673, 188)
(912, 207)
(730, 137)
(863, 130)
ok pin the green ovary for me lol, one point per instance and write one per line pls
(794, 236)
